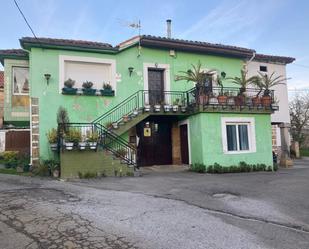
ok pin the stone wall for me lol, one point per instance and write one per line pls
(35, 135)
(176, 150)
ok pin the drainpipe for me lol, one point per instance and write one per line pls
(251, 59)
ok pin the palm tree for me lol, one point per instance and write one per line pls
(266, 82)
(243, 81)
(196, 75)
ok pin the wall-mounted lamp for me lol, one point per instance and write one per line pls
(131, 69)
(223, 74)
(47, 77)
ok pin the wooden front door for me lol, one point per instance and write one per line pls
(154, 147)
(156, 86)
(184, 144)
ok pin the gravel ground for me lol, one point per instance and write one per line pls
(170, 210)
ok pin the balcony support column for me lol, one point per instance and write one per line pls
(285, 159)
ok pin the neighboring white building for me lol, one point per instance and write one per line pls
(269, 64)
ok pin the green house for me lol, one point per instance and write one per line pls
(138, 111)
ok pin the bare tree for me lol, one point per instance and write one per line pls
(299, 112)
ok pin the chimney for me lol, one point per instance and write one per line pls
(169, 31)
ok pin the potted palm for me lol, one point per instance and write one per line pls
(243, 81)
(256, 100)
(107, 90)
(68, 87)
(93, 140)
(198, 76)
(222, 97)
(52, 137)
(267, 82)
(87, 88)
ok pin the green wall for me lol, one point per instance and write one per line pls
(206, 140)
(87, 108)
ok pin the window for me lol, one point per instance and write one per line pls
(263, 68)
(81, 69)
(20, 80)
(238, 135)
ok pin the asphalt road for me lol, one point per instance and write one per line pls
(159, 210)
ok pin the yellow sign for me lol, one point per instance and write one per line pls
(147, 132)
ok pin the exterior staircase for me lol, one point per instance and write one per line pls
(135, 108)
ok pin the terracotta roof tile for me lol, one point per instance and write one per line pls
(274, 58)
(66, 42)
(14, 52)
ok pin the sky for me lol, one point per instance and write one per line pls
(276, 27)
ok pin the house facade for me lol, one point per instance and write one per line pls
(134, 117)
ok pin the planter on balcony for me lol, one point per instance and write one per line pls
(82, 145)
(69, 145)
(135, 113)
(69, 90)
(266, 101)
(175, 108)
(213, 101)
(53, 146)
(125, 118)
(167, 108)
(222, 99)
(239, 100)
(89, 91)
(107, 92)
(231, 101)
(147, 108)
(92, 145)
(183, 108)
(115, 125)
(157, 108)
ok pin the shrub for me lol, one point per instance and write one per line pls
(198, 167)
(51, 164)
(41, 170)
(73, 135)
(10, 158)
(87, 175)
(93, 137)
(87, 84)
(52, 136)
(69, 83)
(218, 168)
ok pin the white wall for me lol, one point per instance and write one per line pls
(281, 92)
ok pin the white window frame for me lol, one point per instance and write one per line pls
(238, 121)
(68, 58)
(12, 80)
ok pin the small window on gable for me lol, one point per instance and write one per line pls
(263, 68)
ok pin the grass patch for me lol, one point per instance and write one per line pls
(304, 152)
(12, 171)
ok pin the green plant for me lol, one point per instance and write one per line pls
(243, 81)
(266, 81)
(198, 167)
(107, 86)
(87, 84)
(10, 158)
(69, 83)
(218, 168)
(41, 170)
(51, 164)
(93, 137)
(220, 79)
(52, 136)
(73, 135)
(176, 102)
(196, 75)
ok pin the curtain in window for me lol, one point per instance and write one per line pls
(243, 137)
(231, 137)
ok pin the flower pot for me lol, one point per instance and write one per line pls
(92, 145)
(69, 145)
(69, 90)
(56, 173)
(157, 108)
(135, 113)
(231, 101)
(167, 108)
(175, 108)
(213, 101)
(125, 118)
(256, 101)
(107, 92)
(115, 125)
(222, 99)
(147, 108)
(183, 108)
(82, 145)
(89, 91)
(266, 101)
(54, 146)
(203, 99)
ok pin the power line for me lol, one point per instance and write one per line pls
(20, 11)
